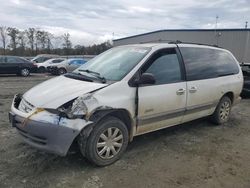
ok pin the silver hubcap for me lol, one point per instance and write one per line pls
(25, 72)
(224, 110)
(61, 71)
(109, 143)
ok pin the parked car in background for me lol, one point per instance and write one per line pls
(42, 67)
(246, 87)
(16, 65)
(65, 66)
(125, 92)
(43, 57)
(245, 69)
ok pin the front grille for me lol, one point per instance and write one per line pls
(25, 106)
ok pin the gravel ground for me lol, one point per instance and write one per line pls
(196, 154)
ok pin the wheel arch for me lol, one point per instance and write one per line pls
(99, 115)
(230, 95)
(121, 114)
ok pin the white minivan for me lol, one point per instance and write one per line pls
(124, 92)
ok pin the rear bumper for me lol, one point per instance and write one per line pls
(46, 131)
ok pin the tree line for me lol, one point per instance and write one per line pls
(32, 41)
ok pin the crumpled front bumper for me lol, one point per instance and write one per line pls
(44, 130)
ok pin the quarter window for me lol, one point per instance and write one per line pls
(165, 67)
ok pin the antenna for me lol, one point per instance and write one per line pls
(216, 22)
(216, 34)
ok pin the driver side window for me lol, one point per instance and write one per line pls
(165, 67)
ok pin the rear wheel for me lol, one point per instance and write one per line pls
(25, 72)
(61, 71)
(222, 111)
(107, 142)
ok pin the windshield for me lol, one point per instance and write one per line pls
(115, 63)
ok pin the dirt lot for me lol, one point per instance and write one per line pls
(197, 154)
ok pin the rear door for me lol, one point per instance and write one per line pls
(162, 104)
(205, 82)
(13, 64)
(3, 64)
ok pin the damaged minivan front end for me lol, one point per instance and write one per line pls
(46, 129)
(48, 125)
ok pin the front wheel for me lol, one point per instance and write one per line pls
(222, 111)
(107, 142)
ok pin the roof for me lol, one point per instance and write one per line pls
(184, 30)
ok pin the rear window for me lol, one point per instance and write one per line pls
(204, 63)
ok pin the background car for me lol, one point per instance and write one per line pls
(245, 69)
(16, 65)
(43, 57)
(65, 66)
(42, 67)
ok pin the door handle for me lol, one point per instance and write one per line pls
(193, 89)
(180, 91)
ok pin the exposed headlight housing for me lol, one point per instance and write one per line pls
(79, 107)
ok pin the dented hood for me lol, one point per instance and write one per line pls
(57, 91)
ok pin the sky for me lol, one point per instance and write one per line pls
(95, 21)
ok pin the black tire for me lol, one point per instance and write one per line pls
(41, 69)
(94, 153)
(61, 71)
(222, 111)
(24, 72)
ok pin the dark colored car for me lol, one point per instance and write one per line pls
(246, 87)
(16, 65)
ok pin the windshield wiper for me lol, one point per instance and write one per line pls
(96, 74)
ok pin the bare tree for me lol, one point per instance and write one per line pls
(22, 41)
(30, 33)
(67, 45)
(13, 33)
(3, 35)
(49, 38)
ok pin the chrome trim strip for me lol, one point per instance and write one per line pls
(175, 113)
(160, 117)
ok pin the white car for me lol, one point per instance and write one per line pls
(43, 57)
(42, 67)
(124, 92)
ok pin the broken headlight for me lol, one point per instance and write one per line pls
(78, 107)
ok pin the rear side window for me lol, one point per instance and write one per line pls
(57, 60)
(13, 60)
(204, 63)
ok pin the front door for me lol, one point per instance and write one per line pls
(162, 104)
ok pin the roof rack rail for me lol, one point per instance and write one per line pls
(213, 45)
(179, 42)
(159, 40)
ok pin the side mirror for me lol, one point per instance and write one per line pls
(146, 78)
